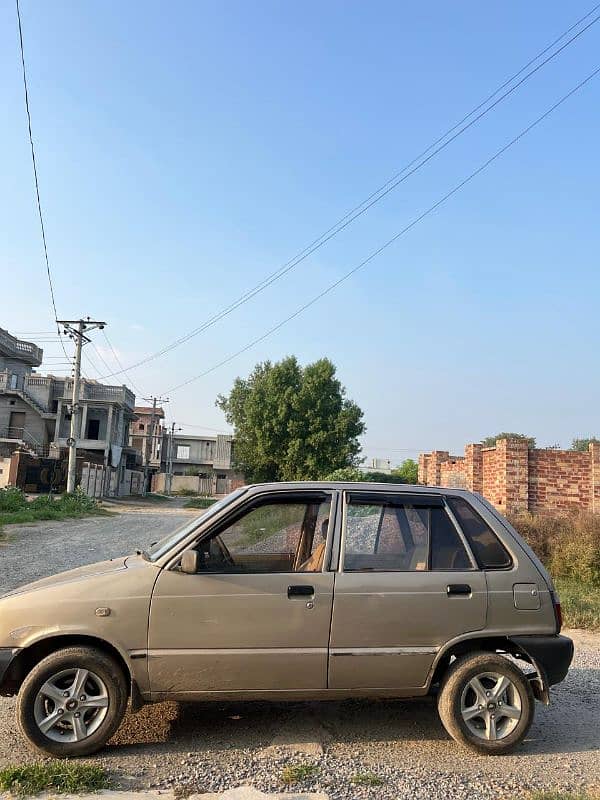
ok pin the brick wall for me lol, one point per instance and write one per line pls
(514, 477)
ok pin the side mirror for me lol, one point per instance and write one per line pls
(190, 561)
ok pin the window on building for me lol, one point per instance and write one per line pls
(141, 426)
(183, 451)
(93, 429)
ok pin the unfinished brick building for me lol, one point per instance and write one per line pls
(515, 478)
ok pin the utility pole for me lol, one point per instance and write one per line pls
(75, 329)
(149, 446)
(170, 446)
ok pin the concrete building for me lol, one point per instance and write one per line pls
(143, 439)
(383, 465)
(35, 414)
(200, 463)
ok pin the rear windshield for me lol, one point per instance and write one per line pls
(487, 548)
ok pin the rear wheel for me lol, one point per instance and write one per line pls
(72, 702)
(486, 703)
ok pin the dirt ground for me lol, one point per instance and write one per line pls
(174, 744)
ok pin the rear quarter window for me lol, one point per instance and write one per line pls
(487, 548)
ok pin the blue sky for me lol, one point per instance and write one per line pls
(186, 150)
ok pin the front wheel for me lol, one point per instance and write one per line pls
(72, 702)
(486, 703)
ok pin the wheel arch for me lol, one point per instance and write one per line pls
(502, 645)
(29, 656)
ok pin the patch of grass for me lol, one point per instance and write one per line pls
(200, 502)
(296, 773)
(56, 776)
(186, 493)
(367, 779)
(15, 509)
(551, 795)
(153, 497)
(580, 603)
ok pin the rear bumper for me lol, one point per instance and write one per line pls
(7, 656)
(551, 655)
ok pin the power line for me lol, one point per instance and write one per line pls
(399, 177)
(391, 241)
(92, 364)
(124, 371)
(35, 175)
(205, 428)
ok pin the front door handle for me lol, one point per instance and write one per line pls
(301, 591)
(458, 589)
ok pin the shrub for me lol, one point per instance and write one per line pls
(568, 545)
(12, 499)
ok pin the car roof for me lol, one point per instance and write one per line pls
(359, 486)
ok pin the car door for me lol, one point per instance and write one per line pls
(256, 616)
(407, 584)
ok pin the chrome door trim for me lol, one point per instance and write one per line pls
(383, 651)
(237, 651)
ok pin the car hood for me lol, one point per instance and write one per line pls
(71, 575)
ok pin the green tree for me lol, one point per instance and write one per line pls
(354, 474)
(292, 422)
(490, 441)
(582, 445)
(408, 471)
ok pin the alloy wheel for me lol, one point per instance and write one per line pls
(71, 705)
(491, 706)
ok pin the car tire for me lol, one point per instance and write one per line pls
(477, 711)
(72, 702)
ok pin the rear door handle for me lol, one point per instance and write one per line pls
(458, 589)
(301, 591)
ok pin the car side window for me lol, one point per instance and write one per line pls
(288, 536)
(487, 548)
(447, 549)
(396, 537)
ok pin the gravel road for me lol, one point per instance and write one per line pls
(212, 746)
(40, 549)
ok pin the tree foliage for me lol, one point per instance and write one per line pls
(490, 441)
(355, 474)
(292, 422)
(582, 445)
(408, 471)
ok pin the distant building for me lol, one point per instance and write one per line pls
(35, 416)
(145, 440)
(383, 465)
(206, 460)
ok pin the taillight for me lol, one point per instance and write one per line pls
(557, 611)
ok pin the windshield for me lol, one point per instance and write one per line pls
(163, 545)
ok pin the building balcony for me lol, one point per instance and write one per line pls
(27, 352)
(98, 392)
(84, 444)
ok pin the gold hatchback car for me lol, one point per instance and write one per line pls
(313, 590)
